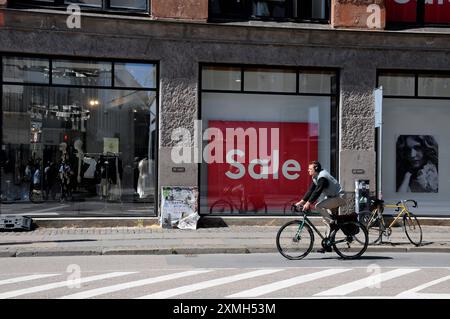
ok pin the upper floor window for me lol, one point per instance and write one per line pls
(101, 5)
(418, 11)
(297, 10)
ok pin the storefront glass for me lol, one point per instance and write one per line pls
(78, 146)
(415, 145)
(257, 145)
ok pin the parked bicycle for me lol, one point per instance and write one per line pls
(348, 237)
(376, 224)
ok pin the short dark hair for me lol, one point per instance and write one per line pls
(317, 165)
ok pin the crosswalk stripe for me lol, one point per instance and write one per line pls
(132, 284)
(67, 283)
(208, 284)
(265, 289)
(25, 278)
(365, 282)
(412, 292)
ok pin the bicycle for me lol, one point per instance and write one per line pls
(348, 237)
(376, 226)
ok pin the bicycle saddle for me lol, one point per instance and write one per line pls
(376, 202)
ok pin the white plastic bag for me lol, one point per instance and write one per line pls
(189, 222)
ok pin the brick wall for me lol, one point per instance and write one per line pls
(180, 9)
(358, 14)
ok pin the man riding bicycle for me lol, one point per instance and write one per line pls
(328, 193)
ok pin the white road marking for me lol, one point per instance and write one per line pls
(265, 289)
(208, 284)
(67, 283)
(132, 284)
(365, 282)
(25, 278)
(414, 292)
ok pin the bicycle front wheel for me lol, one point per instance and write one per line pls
(412, 229)
(221, 206)
(295, 241)
(350, 240)
(373, 225)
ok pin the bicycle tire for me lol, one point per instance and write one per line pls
(411, 224)
(220, 206)
(289, 231)
(374, 230)
(355, 247)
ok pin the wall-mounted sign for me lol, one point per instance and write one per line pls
(110, 145)
(178, 169)
(358, 171)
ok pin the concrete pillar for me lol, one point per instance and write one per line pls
(178, 109)
(358, 14)
(357, 157)
(180, 9)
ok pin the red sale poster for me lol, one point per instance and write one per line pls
(436, 11)
(258, 167)
(401, 11)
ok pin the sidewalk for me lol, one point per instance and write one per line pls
(155, 240)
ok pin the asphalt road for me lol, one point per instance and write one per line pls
(377, 275)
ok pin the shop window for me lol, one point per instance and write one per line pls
(26, 70)
(81, 73)
(275, 131)
(95, 5)
(310, 10)
(221, 78)
(418, 11)
(135, 75)
(89, 3)
(129, 4)
(272, 80)
(434, 85)
(397, 84)
(77, 139)
(317, 82)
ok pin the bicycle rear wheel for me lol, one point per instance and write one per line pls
(373, 226)
(293, 241)
(350, 246)
(412, 229)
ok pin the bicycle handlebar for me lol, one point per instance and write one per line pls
(298, 209)
(405, 201)
(412, 200)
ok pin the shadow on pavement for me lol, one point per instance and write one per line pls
(360, 258)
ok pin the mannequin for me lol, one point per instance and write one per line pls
(144, 178)
(63, 149)
(78, 144)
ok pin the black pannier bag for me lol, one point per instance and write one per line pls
(349, 229)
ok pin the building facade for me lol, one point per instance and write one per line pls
(96, 107)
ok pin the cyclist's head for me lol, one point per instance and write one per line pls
(314, 167)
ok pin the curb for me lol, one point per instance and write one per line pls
(193, 251)
(204, 222)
